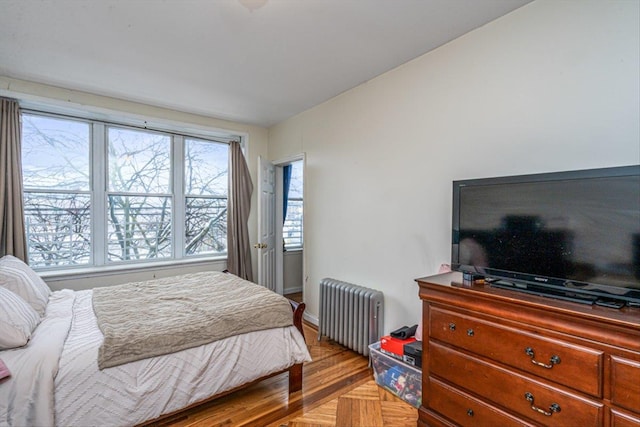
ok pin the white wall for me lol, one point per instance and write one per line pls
(292, 271)
(552, 86)
(69, 99)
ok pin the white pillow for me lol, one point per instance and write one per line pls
(17, 320)
(20, 279)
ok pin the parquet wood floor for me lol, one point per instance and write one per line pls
(367, 406)
(337, 390)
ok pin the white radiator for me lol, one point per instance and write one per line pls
(351, 315)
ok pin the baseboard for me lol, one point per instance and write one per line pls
(287, 291)
(311, 319)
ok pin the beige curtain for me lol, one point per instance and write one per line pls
(239, 205)
(12, 234)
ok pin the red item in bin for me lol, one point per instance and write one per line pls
(394, 346)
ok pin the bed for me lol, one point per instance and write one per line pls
(73, 369)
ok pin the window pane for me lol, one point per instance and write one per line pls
(58, 229)
(55, 153)
(206, 165)
(295, 186)
(292, 228)
(138, 228)
(206, 226)
(139, 162)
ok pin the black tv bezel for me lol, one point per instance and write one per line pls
(553, 287)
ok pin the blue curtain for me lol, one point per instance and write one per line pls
(286, 179)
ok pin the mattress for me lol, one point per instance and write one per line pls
(56, 380)
(142, 390)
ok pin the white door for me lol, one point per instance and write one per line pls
(266, 246)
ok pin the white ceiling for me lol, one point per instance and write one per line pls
(227, 58)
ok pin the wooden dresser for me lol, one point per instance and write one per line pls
(495, 357)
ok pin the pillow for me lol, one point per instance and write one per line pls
(19, 278)
(17, 320)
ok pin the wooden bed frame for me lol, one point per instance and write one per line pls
(295, 378)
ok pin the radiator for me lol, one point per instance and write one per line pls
(351, 315)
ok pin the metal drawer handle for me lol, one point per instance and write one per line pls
(552, 409)
(470, 332)
(470, 412)
(554, 360)
(452, 326)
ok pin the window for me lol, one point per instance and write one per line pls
(97, 193)
(139, 195)
(292, 227)
(57, 190)
(206, 193)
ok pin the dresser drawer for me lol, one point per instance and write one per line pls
(574, 366)
(530, 398)
(625, 383)
(620, 419)
(467, 410)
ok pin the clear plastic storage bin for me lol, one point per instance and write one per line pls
(401, 379)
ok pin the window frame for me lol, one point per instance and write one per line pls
(44, 190)
(99, 191)
(300, 246)
(108, 193)
(186, 195)
(296, 247)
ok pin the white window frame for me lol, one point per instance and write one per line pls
(99, 191)
(292, 248)
(296, 247)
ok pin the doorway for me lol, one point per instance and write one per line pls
(290, 227)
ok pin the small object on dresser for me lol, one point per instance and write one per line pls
(472, 279)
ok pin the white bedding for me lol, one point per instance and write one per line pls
(133, 392)
(26, 398)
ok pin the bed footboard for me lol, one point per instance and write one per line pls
(295, 372)
(298, 311)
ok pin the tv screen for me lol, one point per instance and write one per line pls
(571, 235)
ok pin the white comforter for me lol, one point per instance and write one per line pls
(26, 398)
(56, 380)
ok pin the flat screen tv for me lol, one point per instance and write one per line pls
(569, 235)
